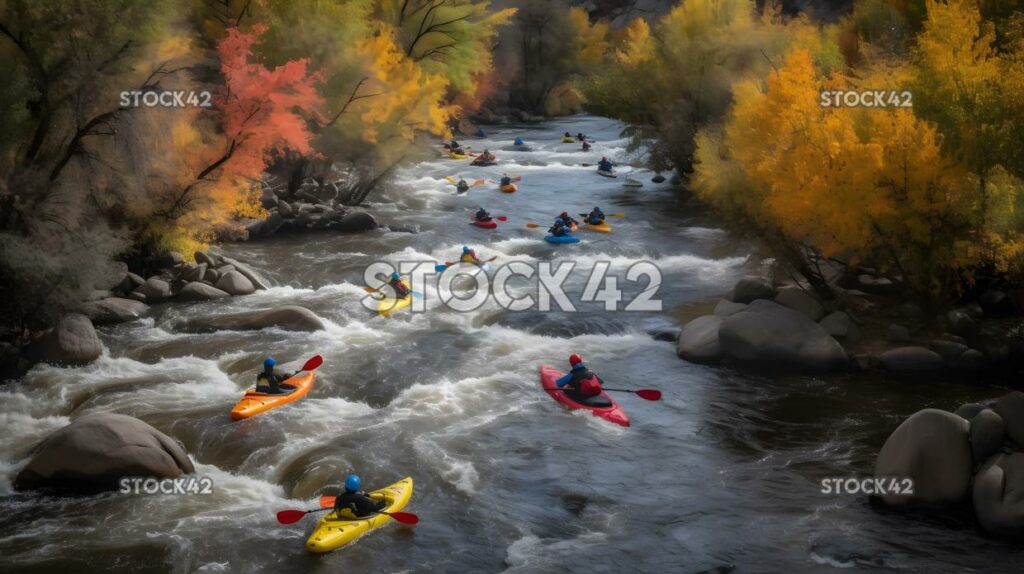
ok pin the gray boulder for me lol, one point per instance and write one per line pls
(961, 324)
(224, 268)
(766, 333)
(355, 222)
(995, 302)
(1011, 408)
(970, 410)
(196, 291)
(972, 360)
(932, 448)
(841, 326)
(998, 494)
(799, 300)
(247, 271)
(289, 318)
(203, 257)
(96, 450)
(987, 429)
(898, 333)
(195, 273)
(235, 283)
(72, 342)
(154, 289)
(725, 308)
(698, 340)
(285, 209)
(114, 310)
(911, 360)
(948, 350)
(749, 289)
(211, 276)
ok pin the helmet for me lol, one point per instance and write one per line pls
(575, 359)
(269, 363)
(564, 215)
(604, 159)
(466, 249)
(352, 483)
(395, 276)
(596, 208)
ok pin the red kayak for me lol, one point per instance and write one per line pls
(613, 413)
(486, 224)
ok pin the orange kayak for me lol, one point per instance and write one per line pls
(254, 403)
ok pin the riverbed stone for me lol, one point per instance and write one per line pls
(725, 308)
(970, 410)
(285, 209)
(799, 300)
(196, 291)
(114, 310)
(154, 289)
(912, 360)
(73, 341)
(961, 324)
(203, 257)
(698, 340)
(751, 288)
(355, 222)
(247, 271)
(933, 449)
(235, 283)
(289, 318)
(987, 431)
(1011, 407)
(995, 302)
(971, 361)
(896, 333)
(841, 326)
(766, 333)
(998, 494)
(96, 450)
(948, 350)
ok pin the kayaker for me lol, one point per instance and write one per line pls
(506, 180)
(596, 217)
(469, 256)
(519, 141)
(559, 229)
(580, 383)
(486, 156)
(354, 503)
(567, 135)
(586, 145)
(454, 147)
(398, 284)
(604, 164)
(480, 133)
(482, 215)
(271, 383)
(581, 137)
(569, 221)
(462, 186)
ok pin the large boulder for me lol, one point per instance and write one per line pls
(911, 360)
(289, 318)
(799, 300)
(1011, 408)
(96, 450)
(72, 342)
(987, 430)
(933, 449)
(841, 326)
(960, 323)
(249, 273)
(355, 222)
(998, 494)
(154, 289)
(235, 283)
(196, 291)
(725, 308)
(749, 289)
(203, 257)
(766, 333)
(698, 341)
(114, 310)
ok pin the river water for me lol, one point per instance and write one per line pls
(722, 475)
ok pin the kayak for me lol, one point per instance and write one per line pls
(458, 156)
(484, 163)
(568, 140)
(253, 403)
(486, 224)
(611, 174)
(335, 531)
(387, 306)
(613, 414)
(602, 227)
(509, 188)
(561, 239)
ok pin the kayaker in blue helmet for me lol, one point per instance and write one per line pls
(401, 289)
(482, 215)
(454, 147)
(462, 186)
(519, 141)
(604, 164)
(581, 384)
(480, 133)
(354, 503)
(559, 229)
(271, 383)
(468, 256)
(505, 179)
(596, 216)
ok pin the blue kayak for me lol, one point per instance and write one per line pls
(561, 239)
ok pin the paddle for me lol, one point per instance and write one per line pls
(373, 291)
(499, 218)
(616, 214)
(313, 363)
(442, 266)
(293, 516)
(649, 394)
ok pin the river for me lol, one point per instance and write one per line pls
(724, 474)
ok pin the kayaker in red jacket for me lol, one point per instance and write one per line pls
(355, 502)
(401, 289)
(580, 383)
(270, 383)
(482, 215)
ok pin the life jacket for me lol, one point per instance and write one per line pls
(401, 289)
(585, 382)
(468, 257)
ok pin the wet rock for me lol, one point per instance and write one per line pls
(766, 333)
(913, 360)
(658, 179)
(196, 291)
(235, 283)
(948, 350)
(114, 310)
(285, 209)
(289, 318)
(211, 276)
(749, 289)
(96, 450)
(247, 271)
(1011, 407)
(171, 259)
(799, 300)
(841, 326)
(987, 430)
(725, 308)
(97, 294)
(898, 334)
(932, 448)
(196, 273)
(875, 285)
(698, 340)
(155, 289)
(998, 494)
(972, 360)
(960, 324)
(137, 296)
(668, 334)
(202, 257)
(225, 268)
(995, 302)
(73, 341)
(136, 280)
(355, 222)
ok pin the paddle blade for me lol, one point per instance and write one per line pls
(313, 363)
(405, 517)
(617, 214)
(371, 290)
(479, 182)
(517, 178)
(326, 501)
(649, 394)
(290, 516)
(452, 179)
(532, 225)
(501, 218)
(440, 268)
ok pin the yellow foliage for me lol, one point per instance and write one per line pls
(635, 44)
(590, 42)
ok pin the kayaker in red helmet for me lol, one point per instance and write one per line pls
(571, 223)
(581, 384)
(604, 164)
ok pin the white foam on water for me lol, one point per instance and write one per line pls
(530, 553)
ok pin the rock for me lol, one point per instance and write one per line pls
(72, 342)
(875, 285)
(953, 338)
(196, 291)
(212, 276)
(970, 410)
(658, 179)
(155, 289)
(196, 273)
(912, 360)
(960, 323)
(1011, 407)
(247, 271)
(698, 341)
(767, 333)
(97, 294)
(96, 450)
(987, 429)
(285, 209)
(797, 299)
(355, 222)
(668, 334)
(202, 257)
(137, 297)
(841, 326)
(972, 360)
(114, 310)
(948, 350)
(289, 318)
(235, 283)
(932, 448)
(997, 351)
(995, 302)
(898, 334)
(136, 280)
(974, 311)
(725, 307)
(118, 276)
(169, 260)
(225, 268)
(750, 288)
(998, 494)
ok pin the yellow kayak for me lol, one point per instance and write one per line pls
(509, 188)
(335, 531)
(568, 140)
(458, 156)
(602, 227)
(388, 306)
